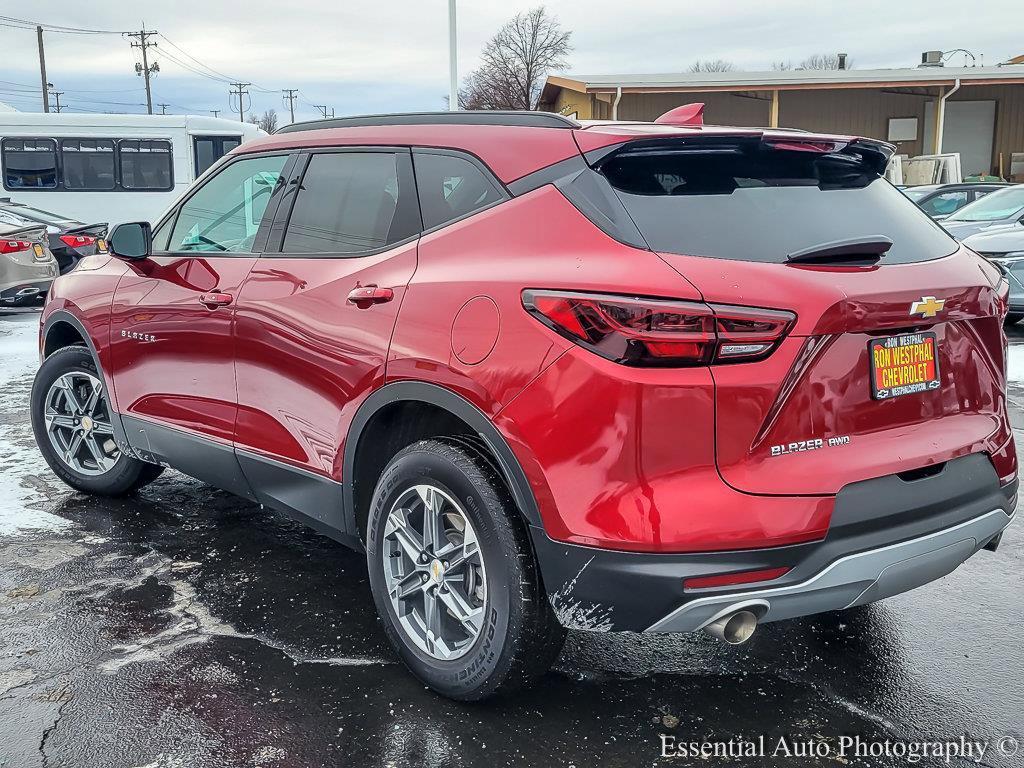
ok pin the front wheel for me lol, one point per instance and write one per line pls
(72, 422)
(453, 575)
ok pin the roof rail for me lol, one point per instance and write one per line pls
(522, 119)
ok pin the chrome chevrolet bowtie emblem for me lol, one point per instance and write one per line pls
(928, 306)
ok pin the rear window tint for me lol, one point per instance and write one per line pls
(753, 203)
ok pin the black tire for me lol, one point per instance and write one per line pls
(520, 637)
(1013, 318)
(125, 475)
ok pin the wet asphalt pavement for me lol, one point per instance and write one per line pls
(184, 627)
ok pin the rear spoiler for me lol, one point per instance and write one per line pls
(96, 230)
(28, 232)
(872, 153)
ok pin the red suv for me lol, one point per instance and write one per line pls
(653, 377)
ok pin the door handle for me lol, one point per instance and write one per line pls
(214, 300)
(365, 296)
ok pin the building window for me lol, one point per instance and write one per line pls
(88, 164)
(30, 163)
(146, 164)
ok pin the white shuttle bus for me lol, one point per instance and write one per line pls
(110, 168)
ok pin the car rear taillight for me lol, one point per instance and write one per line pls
(14, 246)
(729, 579)
(77, 241)
(660, 332)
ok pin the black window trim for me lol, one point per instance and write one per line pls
(282, 219)
(501, 189)
(262, 234)
(57, 142)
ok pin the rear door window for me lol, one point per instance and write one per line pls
(30, 163)
(747, 201)
(350, 203)
(945, 203)
(451, 187)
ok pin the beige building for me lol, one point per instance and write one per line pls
(977, 111)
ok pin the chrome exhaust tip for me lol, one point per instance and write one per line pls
(734, 628)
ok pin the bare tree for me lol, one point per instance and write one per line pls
(712, 65)
(515, 62)
(824, 61)
(267, 123)
(782, 66)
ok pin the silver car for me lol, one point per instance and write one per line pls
(27, 267)
(1005, 246)
(996, 209)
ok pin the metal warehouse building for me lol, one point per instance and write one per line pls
(976, 111)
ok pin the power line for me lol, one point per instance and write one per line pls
(226, 78)
(10, 21)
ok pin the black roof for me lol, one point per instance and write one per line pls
(469, 117)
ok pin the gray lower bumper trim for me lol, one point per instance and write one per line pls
(851, 580)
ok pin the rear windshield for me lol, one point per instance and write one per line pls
(994, 206)
(751, 202)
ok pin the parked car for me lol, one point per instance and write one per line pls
(941, 200)
(69, 241)
(1004, 246)
(27, 268)
(535, 370)
(997, 209)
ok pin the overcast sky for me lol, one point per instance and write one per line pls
(392, 55)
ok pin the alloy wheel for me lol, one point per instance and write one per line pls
(77, 421)
(434, 572)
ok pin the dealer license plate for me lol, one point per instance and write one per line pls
(904, 365)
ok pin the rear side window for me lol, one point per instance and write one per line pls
(146, 164)
(348, 203)
(748, 201)
(30, 163)
(225, 213)
(88, 164)
(451, 187)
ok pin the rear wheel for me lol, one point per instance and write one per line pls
(453, 575)
(72, 422)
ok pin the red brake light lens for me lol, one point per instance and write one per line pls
(14, 246)
(660, 332)
(77, 241)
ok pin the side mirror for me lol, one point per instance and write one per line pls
(132, 241)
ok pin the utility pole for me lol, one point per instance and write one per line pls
(289, 93)
(144, 69)
(215, 112)
(163, 108)
(56, 97)
(42, 70)
(240, 92)
(453, 59)
(323, 110)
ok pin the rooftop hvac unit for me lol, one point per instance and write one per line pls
(931, 59)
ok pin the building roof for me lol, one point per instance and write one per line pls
(696, 82)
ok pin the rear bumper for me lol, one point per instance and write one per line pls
(888, 535)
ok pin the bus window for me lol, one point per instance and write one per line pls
(145, 164)
(210, 149)
(88, 164)
(30, 163)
